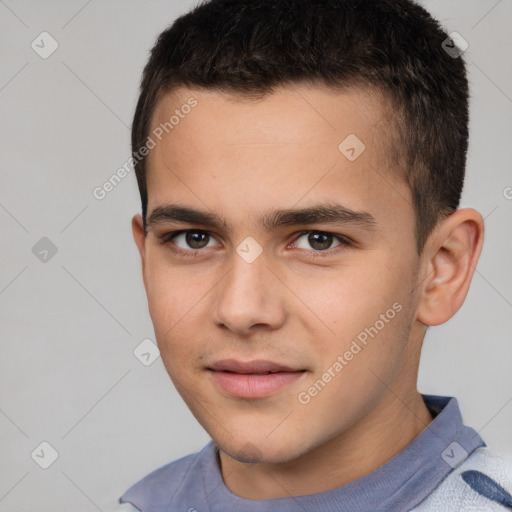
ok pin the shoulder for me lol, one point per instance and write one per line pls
(162, 485)
(483, 482)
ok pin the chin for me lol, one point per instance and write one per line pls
(264, 452)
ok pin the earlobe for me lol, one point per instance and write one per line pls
(452, 250)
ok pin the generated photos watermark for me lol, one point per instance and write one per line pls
(304, 397)
(100, 192)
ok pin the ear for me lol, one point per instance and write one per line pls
(139, 236)
(450, 255)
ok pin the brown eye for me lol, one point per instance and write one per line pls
(192, 240)
(317, 240)
(320, 241)
(196, 240)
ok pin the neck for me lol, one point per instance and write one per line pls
(387, 429)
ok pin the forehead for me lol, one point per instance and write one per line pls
(300, 108)
(300, 143)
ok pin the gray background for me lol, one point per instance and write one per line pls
(69, 325)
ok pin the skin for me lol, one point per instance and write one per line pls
(240, 158)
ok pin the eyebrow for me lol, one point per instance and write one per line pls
(270, 220)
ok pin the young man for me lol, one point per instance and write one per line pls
(300, 166)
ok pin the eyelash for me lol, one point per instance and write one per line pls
(167, 238)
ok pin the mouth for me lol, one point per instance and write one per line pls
(253, 379)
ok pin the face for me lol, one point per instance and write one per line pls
(279, 265)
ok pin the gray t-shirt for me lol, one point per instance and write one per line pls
(194, 483)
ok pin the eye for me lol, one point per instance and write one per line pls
(319, 241)
(191, 240)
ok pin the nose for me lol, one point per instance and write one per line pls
(249, 298)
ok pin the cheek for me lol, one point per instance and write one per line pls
(174, 305)
(354, 295)
(367, 303)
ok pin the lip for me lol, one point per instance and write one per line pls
(255, 366)
(253, 379)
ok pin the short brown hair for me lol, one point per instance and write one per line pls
(252, 46)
